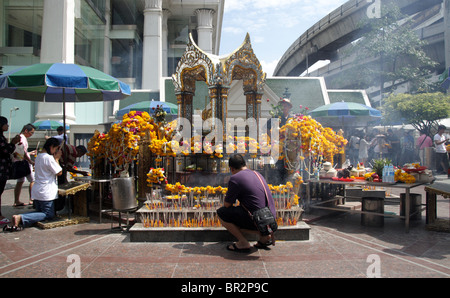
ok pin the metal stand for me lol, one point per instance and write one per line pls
(121, 228)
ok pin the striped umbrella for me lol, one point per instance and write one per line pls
(149, 107)
(346, 114)
(48, 125)
(61, 82)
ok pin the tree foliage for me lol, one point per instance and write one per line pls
(421, 110)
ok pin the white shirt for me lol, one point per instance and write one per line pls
(21, 148)
(441, 147)
(45, 186)
(363, 149)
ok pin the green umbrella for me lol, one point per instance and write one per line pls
(61, 82)
(149, 107)
(345, 114)
(48, 125)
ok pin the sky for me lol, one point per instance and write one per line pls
(273, 25)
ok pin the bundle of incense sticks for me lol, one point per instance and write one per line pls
(169, 218)
(181, 201)
(283, 199)
(289, 218)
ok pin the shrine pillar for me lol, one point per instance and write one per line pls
(213, 97)
(253, 104)
(185, 107)
(222, 106)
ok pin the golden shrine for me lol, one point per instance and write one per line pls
(182, 184)
(218, 73)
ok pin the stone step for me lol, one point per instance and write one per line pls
(138, 233)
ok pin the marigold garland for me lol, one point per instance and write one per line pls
(315, 139)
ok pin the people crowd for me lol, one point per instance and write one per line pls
(56, 158)
(399, 146)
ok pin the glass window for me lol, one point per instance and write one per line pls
(178, 37)
(20, 27)
(125, 12)
(89, 36)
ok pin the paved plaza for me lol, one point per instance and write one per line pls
(339, 247)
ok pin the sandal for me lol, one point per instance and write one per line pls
(20, 205)
(11, 229)
(7, 228)
(260, 245)
(233, 247)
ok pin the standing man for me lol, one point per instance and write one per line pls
(67, 161)
(60, 136)
(394, 150)
(22, 153)
(424, 141)
(246, 187)
(441, 151)
(286, 107)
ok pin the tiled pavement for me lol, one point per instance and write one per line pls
(338, 247)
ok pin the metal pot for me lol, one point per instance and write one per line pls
(123, 194)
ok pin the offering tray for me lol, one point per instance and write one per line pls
(72, 188)
(415, 170)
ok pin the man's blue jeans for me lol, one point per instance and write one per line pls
(44, 210)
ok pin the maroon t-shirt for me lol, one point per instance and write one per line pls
(246, 187)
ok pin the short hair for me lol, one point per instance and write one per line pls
(236, 161)
(442, 127)
(60, 129)
(82, 149)
(28, 127)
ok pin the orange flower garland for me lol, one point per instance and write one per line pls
(315, 139)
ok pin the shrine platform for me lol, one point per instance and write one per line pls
(139, 233)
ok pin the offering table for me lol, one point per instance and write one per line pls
(77, 190)
(89, 180)
(407, 187)
(441, 188)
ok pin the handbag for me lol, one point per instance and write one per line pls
(263, 218)
(20, 169)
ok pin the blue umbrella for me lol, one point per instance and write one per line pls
(61, 82)
(345, 114)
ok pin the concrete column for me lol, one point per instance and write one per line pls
(165, 42)
(205, 29)
(58, 45)
(152, 48)
(447, 32)
(108, 107)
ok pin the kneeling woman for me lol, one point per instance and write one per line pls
(45, 189)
